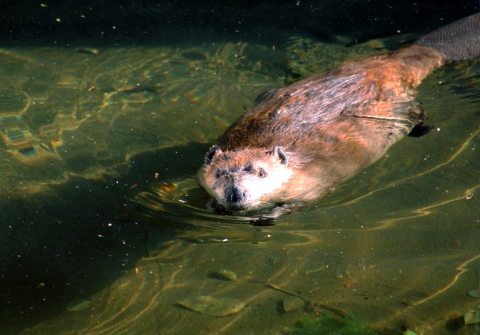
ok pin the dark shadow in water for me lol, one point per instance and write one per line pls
(129, 23)
(80, 238)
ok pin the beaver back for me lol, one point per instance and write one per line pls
(358, 110)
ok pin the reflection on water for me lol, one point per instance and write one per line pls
(100, 149)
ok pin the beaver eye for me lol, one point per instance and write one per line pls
(217, 174)
(261, 173)
(248, 168)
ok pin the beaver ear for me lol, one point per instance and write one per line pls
(281, 155)
(215, 150)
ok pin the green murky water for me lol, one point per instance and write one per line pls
(99, 152)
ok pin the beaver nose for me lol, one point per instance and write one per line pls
(232, 176)
(235, 195)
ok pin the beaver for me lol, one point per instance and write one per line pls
(301, 140)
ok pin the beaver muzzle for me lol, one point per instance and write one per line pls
(234, 195)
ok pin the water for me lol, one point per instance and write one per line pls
(101, 140)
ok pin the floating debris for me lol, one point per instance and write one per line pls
(88, 51)
(472, 317)
(77, 305)
(224, 274)
(213, 306)
(39, 285)
(292, 303)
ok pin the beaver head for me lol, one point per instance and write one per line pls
(244, 178)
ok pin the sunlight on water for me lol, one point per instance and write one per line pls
(87, 114)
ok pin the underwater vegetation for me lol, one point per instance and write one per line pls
(328, 325)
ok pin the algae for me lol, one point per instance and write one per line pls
(329, 325)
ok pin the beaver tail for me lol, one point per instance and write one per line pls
(458, 41)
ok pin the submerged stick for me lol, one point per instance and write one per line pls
(335, 310)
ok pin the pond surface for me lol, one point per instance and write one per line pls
(105, 231)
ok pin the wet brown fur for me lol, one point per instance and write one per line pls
(332, 125)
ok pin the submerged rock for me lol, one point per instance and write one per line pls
(224, 274)
(472, 317)
(213, 306)
(474, 293)
(292, 303)
(77, 305)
